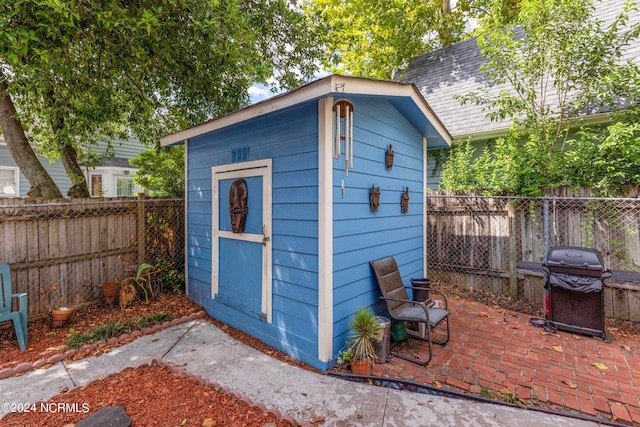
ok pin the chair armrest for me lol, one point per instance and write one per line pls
(444, 297)
(401, 300)
(418, 303)
(22, 297)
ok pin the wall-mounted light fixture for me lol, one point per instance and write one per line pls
(343, 132)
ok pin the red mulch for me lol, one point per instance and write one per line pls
(150, 395)
(44, 340)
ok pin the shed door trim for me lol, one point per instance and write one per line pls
(243, 170)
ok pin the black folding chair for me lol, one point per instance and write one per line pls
(401, 308)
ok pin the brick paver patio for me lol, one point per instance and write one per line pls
(501, 351)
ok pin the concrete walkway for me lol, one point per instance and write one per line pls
(205, 351)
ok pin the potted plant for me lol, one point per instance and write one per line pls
(109, 292)
(364, 333)
(61, 315)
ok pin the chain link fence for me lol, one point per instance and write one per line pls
(61, 252)
(499, 244)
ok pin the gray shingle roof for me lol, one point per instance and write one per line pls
(455, 70)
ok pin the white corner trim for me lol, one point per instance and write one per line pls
(186, 218)
(325, 231)
(424, 206)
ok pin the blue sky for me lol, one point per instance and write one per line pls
(259, 92)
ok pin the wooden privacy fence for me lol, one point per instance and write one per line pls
(60, 252)
(498, 244)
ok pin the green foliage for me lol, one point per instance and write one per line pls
(172, 281)
(558, 62)
(150, 280)
(458, 172)
(170, 278)
(504, 394)
(143, 280)
(499, 168)
(108, 330)
(344, 356)
(161, 171)
(372, 38)
(79, 70)
(364, 333)
(605, 158)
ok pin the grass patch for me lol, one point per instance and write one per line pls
(105, 331)
(504, 394)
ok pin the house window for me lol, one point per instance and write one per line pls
(124, 186)
(9, 182)
(96, 186)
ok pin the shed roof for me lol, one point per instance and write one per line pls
(404, 96)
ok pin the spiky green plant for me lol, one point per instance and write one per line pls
(364, 333)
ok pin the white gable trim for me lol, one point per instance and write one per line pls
(314, 90)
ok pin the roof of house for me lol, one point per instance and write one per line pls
(404, 96)
(455, 70)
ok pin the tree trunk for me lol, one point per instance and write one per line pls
(446, 7)
(69, 157)
(444, 31)
(42, 185)
(79, 187)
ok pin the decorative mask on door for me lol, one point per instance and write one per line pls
(238, 195)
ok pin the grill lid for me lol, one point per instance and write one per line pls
(575, 260)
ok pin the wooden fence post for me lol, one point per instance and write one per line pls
(141, 229)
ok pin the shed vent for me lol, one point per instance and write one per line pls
(240, 154)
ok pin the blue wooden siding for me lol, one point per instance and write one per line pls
(290, 139)
(361, 235)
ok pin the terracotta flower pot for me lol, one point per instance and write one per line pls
(361, 367)
(61, 316)
(109, 292)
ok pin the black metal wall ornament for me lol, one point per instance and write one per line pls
(404, 201)
(388, 158)
(374, 198)
(238, 208)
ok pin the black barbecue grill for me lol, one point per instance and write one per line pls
(574, 285)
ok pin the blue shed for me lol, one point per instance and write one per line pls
(298, 269)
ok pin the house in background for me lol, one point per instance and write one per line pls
(454, 70)
(299, 269)
(113, 178)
